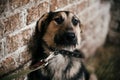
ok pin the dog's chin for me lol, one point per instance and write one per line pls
(64, 46)
(70, 48)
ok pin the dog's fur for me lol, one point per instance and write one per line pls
(61, 30)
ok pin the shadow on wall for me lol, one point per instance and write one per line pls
(105, 63)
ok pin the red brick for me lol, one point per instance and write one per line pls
(7, 65)
(18, 40)
(56, 4)
(72, 9)
(26, 56)
(22, 57)
(43, 8)
(83, 5)
(34, 13)
(78, 8)
(26, 36)
(14, 61)
(13, 43)
(12, 23)
(17, 3)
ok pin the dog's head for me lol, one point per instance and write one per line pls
(60, 29)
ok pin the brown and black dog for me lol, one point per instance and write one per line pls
(58, 31)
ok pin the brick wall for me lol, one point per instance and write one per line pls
(18, 19)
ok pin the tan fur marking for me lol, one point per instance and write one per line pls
(75, 68)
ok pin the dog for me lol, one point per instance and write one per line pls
(58, 31)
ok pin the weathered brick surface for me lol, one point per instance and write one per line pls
(78, 8)
(7, 65)
(25, 56)
(17, 3)
(14, 61)
(34, 13)
(12, 23)
(82, 6)
(56, 4)
(23, 59)
(18, 40)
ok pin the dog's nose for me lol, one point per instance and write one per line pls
(70, 35)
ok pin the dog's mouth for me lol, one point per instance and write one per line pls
(66, 39)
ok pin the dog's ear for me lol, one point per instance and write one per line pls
(41, 21)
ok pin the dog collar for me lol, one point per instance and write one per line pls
(75, 53)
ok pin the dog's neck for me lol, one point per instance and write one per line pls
(66, 51)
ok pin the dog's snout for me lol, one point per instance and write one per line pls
(68, 38)
(70, 35)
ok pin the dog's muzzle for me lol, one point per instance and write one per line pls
(70, 36)
(66, 39)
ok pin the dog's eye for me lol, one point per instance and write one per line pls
(59, 20)
(75, 21)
